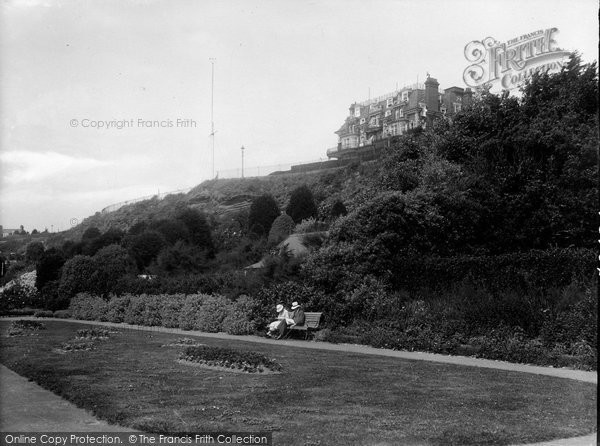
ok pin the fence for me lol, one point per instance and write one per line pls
(258, 171)
(114, 207)
(255, 171)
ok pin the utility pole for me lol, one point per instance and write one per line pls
(243, 161)
(212, 120)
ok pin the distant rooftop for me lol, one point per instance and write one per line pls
(415, 86)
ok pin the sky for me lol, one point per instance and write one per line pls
(107, 101)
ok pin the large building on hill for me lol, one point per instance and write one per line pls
(371, 123)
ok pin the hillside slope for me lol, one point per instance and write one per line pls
(222, 198)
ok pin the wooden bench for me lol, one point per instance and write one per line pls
(311, 323)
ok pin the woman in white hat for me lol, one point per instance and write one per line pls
(295, 317)
(282, 315)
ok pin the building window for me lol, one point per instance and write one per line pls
(357, 112)
(457, 107)
(405, 96)
(388, 113)
(399, 113)
(390, 102)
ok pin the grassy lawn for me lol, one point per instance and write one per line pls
(321, 398)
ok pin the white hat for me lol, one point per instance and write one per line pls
(279, 308)
(295, 305)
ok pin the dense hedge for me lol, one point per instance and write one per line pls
(208, 313)
(535, 269)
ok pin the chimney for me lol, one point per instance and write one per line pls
(467, 97)
(432, 95)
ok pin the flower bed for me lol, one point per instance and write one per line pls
(184, 342)
(234, 360)
(24, 328)
(92, 333)
(75, 346)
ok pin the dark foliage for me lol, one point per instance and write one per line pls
(144, 247)
(338, 209)
(302, 204)
(263, 212)
(34, 252)
(49, 267)
(198, 229)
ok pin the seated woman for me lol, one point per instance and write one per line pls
(295, 317)
(282, 315)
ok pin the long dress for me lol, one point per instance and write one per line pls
(282, 315)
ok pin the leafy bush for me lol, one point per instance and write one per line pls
(62, 314)
(250, 362)
(18, 295)
(192, 307)
(263, 212)
(338, 209)
(117, 307)
(88, 307)
(281, 228)
(77, 276)
(170, 309)
(151, 315)
(135, 310)
(21, 312)
(238, 322)
(310, 225)
(213, 311)
(43, 313)
(302, 204)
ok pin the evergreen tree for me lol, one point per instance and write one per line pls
(263, 212)
(302, 204)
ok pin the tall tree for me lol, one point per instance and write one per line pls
(263, 212)
(302, 204)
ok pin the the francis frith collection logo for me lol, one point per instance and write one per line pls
(507, 65)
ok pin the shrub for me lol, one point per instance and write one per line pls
(117, 306)
(111, 263)
(192, 306)
(310, 225)
(18, 295)
(170, 309)
(77, 276)
(281, 228)
(302, 204)
(238, 322)
(151, 314)
(263, 211)
(62, 314)
(134, 312)
(87, 307)
(213, 311)
(338, 209)
(43, 313)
